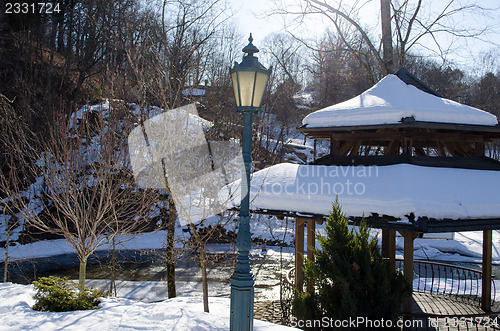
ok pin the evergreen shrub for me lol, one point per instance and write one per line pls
(351, 278)
(61, 294)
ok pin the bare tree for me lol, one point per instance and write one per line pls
(164, 63)
(16, 147)
(89, 191)
(186, 34)
(415, 23)
(201, 237)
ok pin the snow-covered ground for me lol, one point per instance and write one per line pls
(182, 313)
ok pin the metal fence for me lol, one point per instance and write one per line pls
(446, 279)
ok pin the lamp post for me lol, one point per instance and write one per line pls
(249, 82)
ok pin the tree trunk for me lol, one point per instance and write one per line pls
(76, 90)
(204, 278)
(388, 53)
(203, 265)
(170, 249)
(112, 285)
(6, 263)
(82, 274)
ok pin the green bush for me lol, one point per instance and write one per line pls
(351, 278)
(96, 93)
(61, 294)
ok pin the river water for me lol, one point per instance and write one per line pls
(142, 273)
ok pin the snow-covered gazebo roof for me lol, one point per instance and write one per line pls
(401, 196)
(401, 116)
(391, 100)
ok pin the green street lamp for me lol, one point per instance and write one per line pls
(249, 82)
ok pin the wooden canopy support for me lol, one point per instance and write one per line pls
(299, 253)
(486, 282)
(479, 149)
(299, 250)
(334, 147)
(311, 244)
(441, 148)
(355, 149)
(409, 237)
(389, 247)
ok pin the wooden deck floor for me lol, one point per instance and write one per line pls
(447, 307)
(422, 303)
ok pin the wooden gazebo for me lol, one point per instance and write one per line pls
(432, 172)
(402, 121)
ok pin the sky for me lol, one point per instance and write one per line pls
(251, 17)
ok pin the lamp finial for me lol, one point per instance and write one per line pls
(250, 49)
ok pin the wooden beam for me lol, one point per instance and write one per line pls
(467, 149)
(487, 252)
(407, 146)
(419, 150)
(441, 148)
(389, 247)
(452, 148)
(413, 135)
(355, 148)
(311, 244)
(346, 147)
(377, 135)
(427, 225)
(488, 131)
(299, 254)
(393, 148)
(314, 149)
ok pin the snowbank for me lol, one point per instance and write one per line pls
(184, 313)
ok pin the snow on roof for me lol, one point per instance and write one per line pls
(194, 92)
(395, 190)
(390, 100)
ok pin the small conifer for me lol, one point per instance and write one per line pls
(351, 278)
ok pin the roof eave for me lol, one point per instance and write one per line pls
(487, 129)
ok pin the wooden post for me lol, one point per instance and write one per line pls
(314, 151)
(311, 243)
(486, 296)
(479, 149)
(334, 146)
(389, 247)
(408, 266)
(299, 253)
